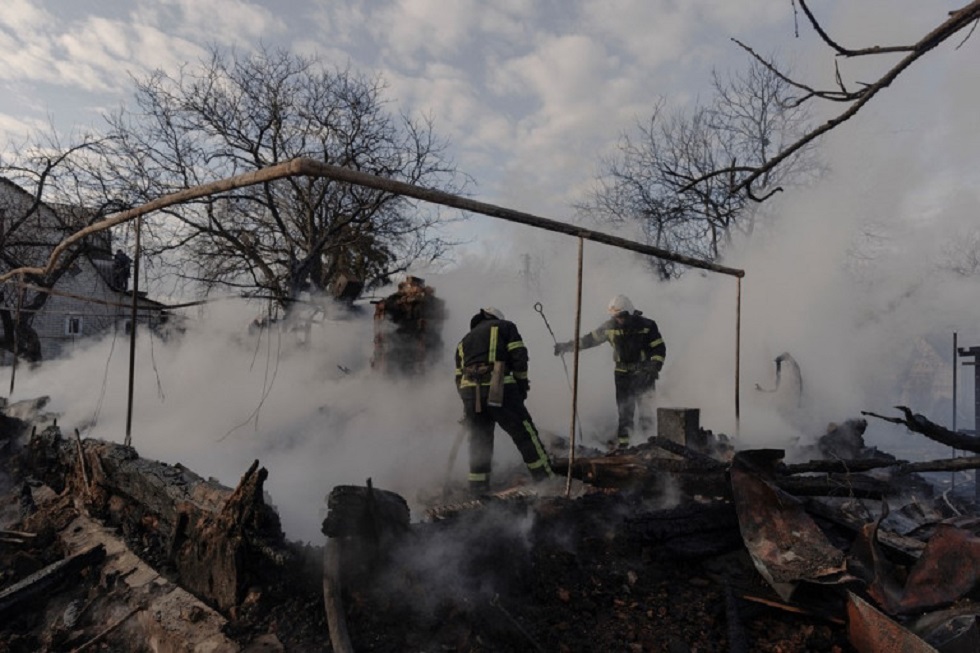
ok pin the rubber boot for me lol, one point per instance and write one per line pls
(479, 488)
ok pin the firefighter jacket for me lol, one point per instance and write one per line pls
(637, 343)
(488, 342)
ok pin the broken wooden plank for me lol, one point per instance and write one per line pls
(45, 580)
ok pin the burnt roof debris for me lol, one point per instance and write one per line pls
(662, 546)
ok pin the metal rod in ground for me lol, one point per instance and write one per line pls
(952, 477)
(20, 302)
(738, 345)
(578, 324)
(132, 336)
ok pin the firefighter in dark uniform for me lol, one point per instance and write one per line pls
(491, 398)
(639, 352)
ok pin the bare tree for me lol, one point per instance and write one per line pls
(238, 113)
(750, 116)
(748, 177)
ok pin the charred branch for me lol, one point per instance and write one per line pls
(918, 423)
(957, 21)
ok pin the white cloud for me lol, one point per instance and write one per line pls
(228, 22)
(20, 16)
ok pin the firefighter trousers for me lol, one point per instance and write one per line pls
(513, 417)
(634, 395)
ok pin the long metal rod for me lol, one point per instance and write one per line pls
(132, 337)
(955, 361)
(578, 328)
(975, 352)
(952, 453)
(738, 349)
(20, 303)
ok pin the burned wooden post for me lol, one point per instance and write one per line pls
(360, 523)
(680, 425)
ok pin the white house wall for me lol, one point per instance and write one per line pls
(83, 281)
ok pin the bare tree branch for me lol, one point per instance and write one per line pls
(958, 20)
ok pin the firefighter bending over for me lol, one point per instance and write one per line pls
(639, 352)
(408, 329)
(491, 376)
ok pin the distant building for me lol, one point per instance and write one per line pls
(926, 384)
(90, 298)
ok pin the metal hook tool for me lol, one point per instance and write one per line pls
(568, 377)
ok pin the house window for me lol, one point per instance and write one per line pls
(73, 325)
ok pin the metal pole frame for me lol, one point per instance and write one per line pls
(308, 167)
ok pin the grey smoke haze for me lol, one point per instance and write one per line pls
(218, 398)
(846, 275)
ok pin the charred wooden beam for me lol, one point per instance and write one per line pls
(901, 466)
(835, 485)
(689, 531)
(696, 459)
(220, 541)
(697, 475)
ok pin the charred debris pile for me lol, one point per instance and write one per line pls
(679, 544)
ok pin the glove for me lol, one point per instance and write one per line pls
(648, 374)
(524, 385)
(562, 347)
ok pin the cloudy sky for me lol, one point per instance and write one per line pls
(530, 94)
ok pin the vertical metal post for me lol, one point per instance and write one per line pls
(952, 454)
(20, 303)
(132, 336)
(578, 328)
(955, 361)
(976, 412)
(975, 353)
(738, 350)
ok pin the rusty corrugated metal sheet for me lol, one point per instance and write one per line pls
(947, 570)
(785, 543)
(870, 631)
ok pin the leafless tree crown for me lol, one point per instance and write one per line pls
(238, 113)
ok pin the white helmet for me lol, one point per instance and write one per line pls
(496, 312)
(620, 304)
